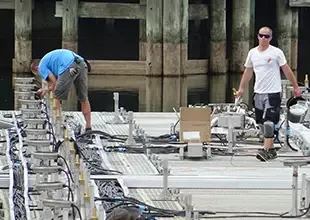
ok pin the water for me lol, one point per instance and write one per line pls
(140, 93)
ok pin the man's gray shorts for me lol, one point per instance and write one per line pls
(267, 107)
(76, 74)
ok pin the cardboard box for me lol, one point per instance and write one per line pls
(195, 125)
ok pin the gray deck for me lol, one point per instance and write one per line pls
(274, 200)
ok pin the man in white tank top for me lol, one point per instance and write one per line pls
(266, 61)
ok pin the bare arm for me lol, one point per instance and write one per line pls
(52, 82)
(289, 75)
(246, 77)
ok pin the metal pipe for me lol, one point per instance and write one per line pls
(303, 191)
(130, 141)
(295, 191)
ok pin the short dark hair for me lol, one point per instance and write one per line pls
(34, 62)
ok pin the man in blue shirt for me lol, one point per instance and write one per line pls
(62, 68)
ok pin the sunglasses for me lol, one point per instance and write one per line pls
(264, 35)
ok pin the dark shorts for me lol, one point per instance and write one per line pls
(76, 74)
(267, 107)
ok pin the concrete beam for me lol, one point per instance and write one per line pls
(299, 3)
(7, 4)
(125, 10)
(120, 67)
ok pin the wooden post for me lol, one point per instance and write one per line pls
(284, 28)
(218, 66)
(142, 36)
(294, 42)
(153, 94)
(172, 37)
(23, 30)
(154, 36)
(70, 41)
(175, 93)
(218, 37)
(240, 39)
(70, 24)
(217, 84)
(253, 33)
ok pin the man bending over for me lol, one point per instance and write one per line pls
(61, 69)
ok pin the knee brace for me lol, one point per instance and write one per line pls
(268, 129)
(273, 114)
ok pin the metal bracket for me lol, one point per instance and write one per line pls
(45, 155)
(38, 143)
(24, 80)
(165, 194)
(57, 203)
(47, 186)
(46, 169)
(117, 118)
(295, 163)
(130, 141)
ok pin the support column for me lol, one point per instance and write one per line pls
(142, 36)
(218, 37)
(218, 66)
(175, 93)
(154, 36)
(154, 94)
(294, 41)
(142, 100)
(70, 41)
(23, 39)
(240, 39)
(172, 37)
(253, 33)
(217, 84)
(70, 25)
(284, 28)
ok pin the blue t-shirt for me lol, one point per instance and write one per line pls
(56, 62)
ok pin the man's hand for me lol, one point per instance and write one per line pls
(297, 92)
(42, 92)
(239, 93)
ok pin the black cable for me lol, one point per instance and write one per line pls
(78, 210)
(70, 192)
(69, 182)
(91, 163)
(67, 165)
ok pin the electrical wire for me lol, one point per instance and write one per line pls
(24, 168)
(129, 201)
(10, 164)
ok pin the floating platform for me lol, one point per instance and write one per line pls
(228, 184)
(238, 183)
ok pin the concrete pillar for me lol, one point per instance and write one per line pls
(218, 37)
(294, 41)
(142, 100)
(70, 41)
(23, 40)
(172, 37)
(241, 24)
(217, 87)
(154, 37)
(284, 28)
(142, 36)
(175, 93)
(218, 65)
(153, 94)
